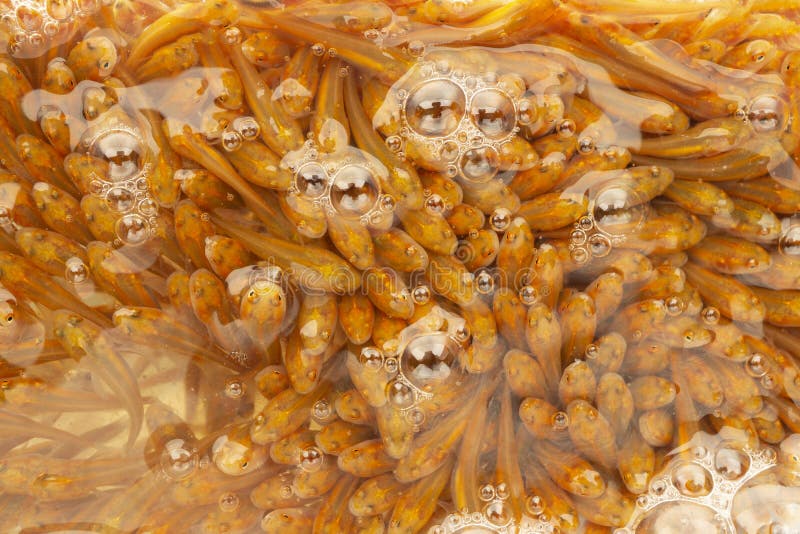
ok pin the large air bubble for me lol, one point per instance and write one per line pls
(435, 108)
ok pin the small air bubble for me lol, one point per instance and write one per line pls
(500, 219)
(228, 502)
(311, 459)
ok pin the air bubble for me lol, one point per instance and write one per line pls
(371, 358)
(579, 255)
(560, 421)
(756, 365)
(484, 283)
(585, 223)
(311, 459)
(479, 164)
(395, 143)
(123, 151)
(591, 352)
(428, 360)
(28, 18)
(449, 151)
(617, 210)
(390, 364)
(434, 204)
(132, 229)
(566, 128)
(415, 416)
(421, 295)
(789, 242)
(60, 10)
(354, 191)
(599, 245)
(228, 502)
(286, 491)
(731, 463)
(674, 305)
(493, 113)
(76, 271)
(50, 28)
(710, 315)
(318, 49)
(500, 219)
(416, 48)
(586, 145)
(528, 295)
(577, 237)
(247, 127)
(120, 199)
(178, 459)
(148, 207)
(234, 388)
(498, 513)
(766, 113)
(322, 410)
(311, 180)
(487, 492)
(399, 394)
(435, 108)
(692, 480)
(231, 140)
(534, 505)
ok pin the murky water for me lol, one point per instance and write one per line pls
(438, 266)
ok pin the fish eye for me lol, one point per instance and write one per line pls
(9, 318)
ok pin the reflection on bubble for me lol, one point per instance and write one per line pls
(120, 199)
(59, 9)
(731, 463)
(428, 360)
(354, 191)
(399, 394)
(132, 229)
(178, 459)
(28, 18)
(228, 502)
(766, 113)
(692, 480)
(123, 151)
(493, 113)
(311, 459)
(76, 271)
(479, 164)
(617, 210)
(435, 108)
(311, 180)
(500, 219)
(789, 242)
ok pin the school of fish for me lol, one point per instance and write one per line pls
(410, 266)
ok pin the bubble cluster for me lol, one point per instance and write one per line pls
(458, 119)
(616, 211)
(423, 357)
(33, 25)
(496, 516)
(346, 184)
(125, 188)
(695, 490)
(240, 129)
